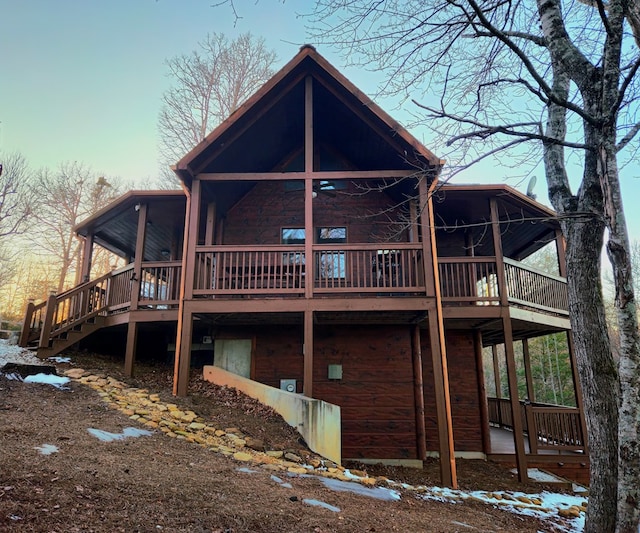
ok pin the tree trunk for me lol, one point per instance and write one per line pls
(618, 249)
(597, 369)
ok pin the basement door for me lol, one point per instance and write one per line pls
(233, 355)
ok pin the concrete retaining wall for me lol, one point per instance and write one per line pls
(318, 422)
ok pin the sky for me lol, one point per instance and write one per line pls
(83, 80)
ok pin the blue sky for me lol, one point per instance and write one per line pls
(83, 80)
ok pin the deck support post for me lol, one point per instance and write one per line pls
(26, 325)
(182, 363)
(47, 323)
(183, 354)
(482, 393)
(496, 371)
(531, 393)
(448, 474)
(130, 351)
(512, 377)
(139, 257)
(307, 348)
(308, 188)
(87, 257)
(418, 392)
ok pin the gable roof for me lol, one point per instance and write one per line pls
(267, 131)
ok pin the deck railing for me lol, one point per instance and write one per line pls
(344, 268)
(120, 287)
(368, 269)
(549, 427)
(230, 270)
(474, 281)
(471, 280)
(160, 284)
(533, 288)
(159, 288)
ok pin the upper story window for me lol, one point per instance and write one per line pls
(292, 236)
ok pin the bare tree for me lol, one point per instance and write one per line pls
(209, 84)
(559, 77)
(66, 197)
(15, 208)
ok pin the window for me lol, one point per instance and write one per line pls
(332, 264)
(292, 236)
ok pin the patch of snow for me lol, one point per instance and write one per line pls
(246, 470)
(59, 359)
(318, 503)
(12, 353)
(106, 436)
(48, 379)
(541, 476)
(547, 509)
(13, 376)
(281, 482)
(379, 493)
(47, 449)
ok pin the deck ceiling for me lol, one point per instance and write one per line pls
(115, 227)
(525, 225)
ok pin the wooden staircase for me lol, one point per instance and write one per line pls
(69, 337)
(63, 320)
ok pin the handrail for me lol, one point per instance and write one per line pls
(534, 270)
(548, 426)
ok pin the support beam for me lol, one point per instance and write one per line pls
(139, 257)
(418, 393)
(512, 379)
(130, 351)
(531, 393)
(307, 348)
(308, 187)
(496, 370)
(185, 316)
(438, 345)
(183, 353)
(87, 257)
(482, 392)
(211, 224)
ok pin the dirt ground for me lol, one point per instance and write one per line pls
(156, 483)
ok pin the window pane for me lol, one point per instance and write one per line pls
(332, 235)
(293, 236)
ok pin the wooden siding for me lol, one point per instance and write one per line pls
(268, 207)
(376, 390)
(464, 388)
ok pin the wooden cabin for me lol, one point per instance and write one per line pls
(313, 245)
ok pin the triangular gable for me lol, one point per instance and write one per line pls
(269, 127)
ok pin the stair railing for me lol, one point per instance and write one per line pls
(73, 307)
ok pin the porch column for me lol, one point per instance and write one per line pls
(437, 336)
(87, 257)
(482, 392)
(496, 370)
(308, 188)
(130, 351)
(183, 353)
(531, 394)
(307, 348)
(418, 393)
(139, 257)
(512, 377)
(182, 363)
